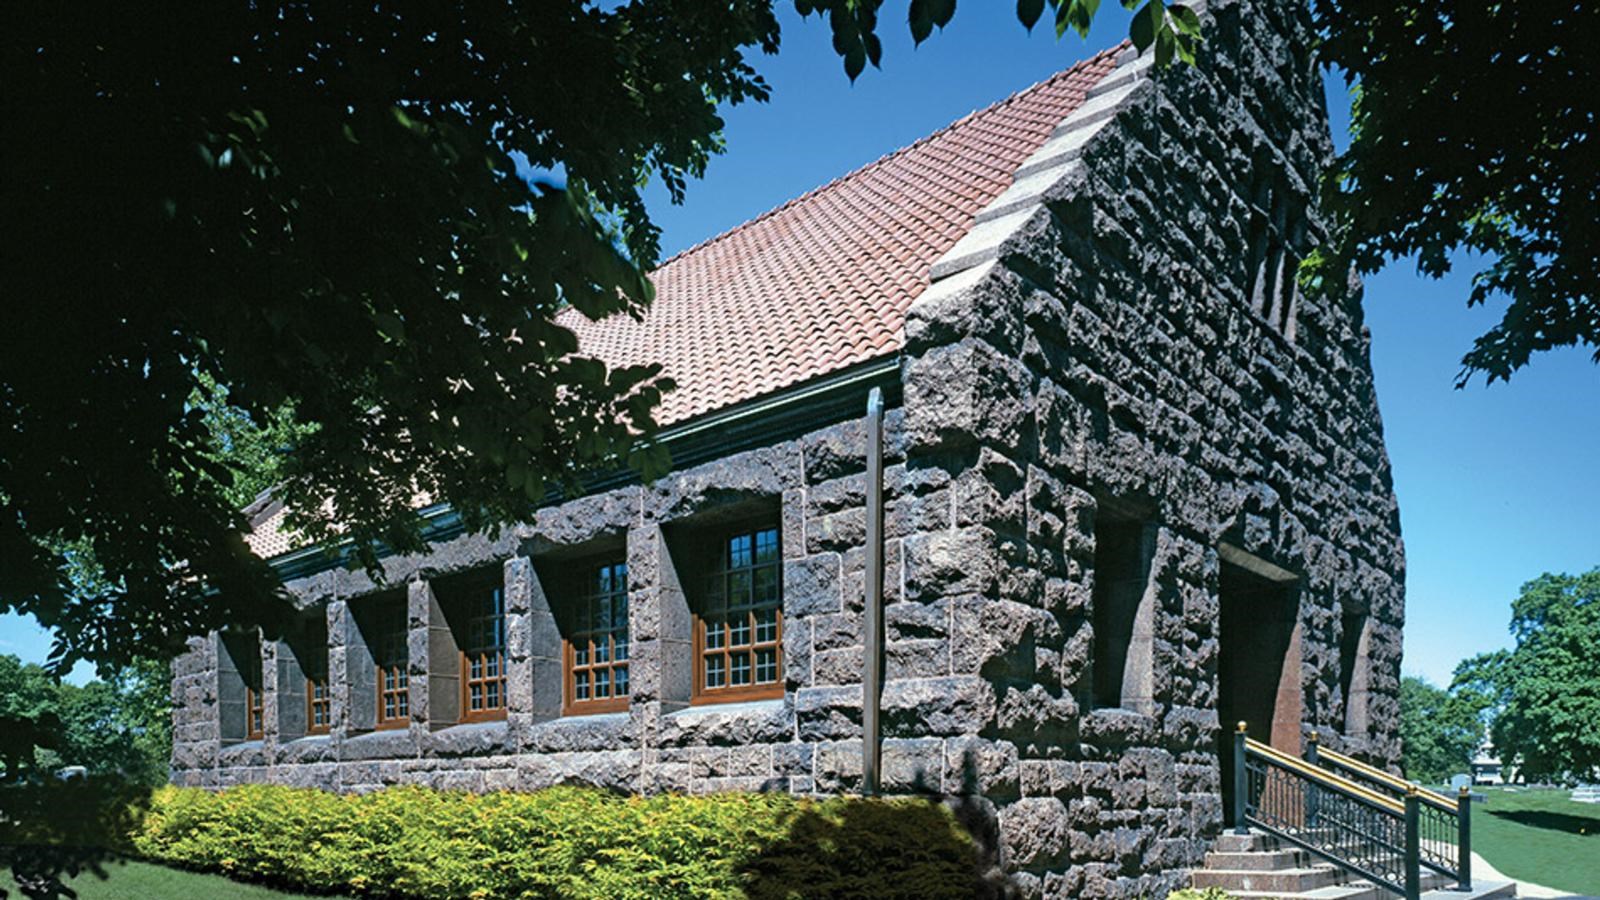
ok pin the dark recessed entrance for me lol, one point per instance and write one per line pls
(1258, 669)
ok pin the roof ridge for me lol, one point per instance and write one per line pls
(1013, 97)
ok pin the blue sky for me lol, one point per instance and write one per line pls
(1496, 484)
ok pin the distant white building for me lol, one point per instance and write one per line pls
(1486, 769)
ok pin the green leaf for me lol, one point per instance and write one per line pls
(1029, 11)
(1186, 49)
(390, 325)
(921, 19)
(1185, 18)
(1081, 15)
(1165, 46)
(1146, 24)
(855, 60)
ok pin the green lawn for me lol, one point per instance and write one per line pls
(1540, 836)
(143, 881)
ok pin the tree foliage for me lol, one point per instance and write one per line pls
(120, 727)
(1546, 690)
(1439, 731)
(322, 248)
(1173, 29)
(325, 210)
(1470, 130)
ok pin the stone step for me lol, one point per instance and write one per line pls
(1255, 860)
(1251, 841)
(1291, 881)
(1434, 888)
(1360, 890)
(1481, 890)
(1248, 866)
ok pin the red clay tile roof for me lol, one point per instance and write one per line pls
(824, 281)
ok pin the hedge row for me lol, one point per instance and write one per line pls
(562, 842)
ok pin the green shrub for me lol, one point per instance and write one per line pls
(1200, 894)
(563, 842)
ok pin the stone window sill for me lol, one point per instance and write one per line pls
(1122, 712)
(470, 739)
(305, 739)
(242, 753)
(494, 725)
(378, 744)
(729, 709)
(598, 717)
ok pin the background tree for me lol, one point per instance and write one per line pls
(298, 245)
(1467, 134)
(1439, 731)
(1546, 690)
(120, 727)
(318, 224)
(28, 716)
(320, 208)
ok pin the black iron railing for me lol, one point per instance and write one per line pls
(1356, 824)
(1444, 825)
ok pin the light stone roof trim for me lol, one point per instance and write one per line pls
(1048, 169)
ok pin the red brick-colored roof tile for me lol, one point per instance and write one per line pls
(824, 281)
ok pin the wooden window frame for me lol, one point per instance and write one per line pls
(313, 701)
(580, 625)
(319, 691)
(385, 663)
(725, 569)
(483, 654)
(255, 711)
(255, 706)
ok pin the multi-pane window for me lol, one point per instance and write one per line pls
(597, 641)
(392, 655)
(739, 625)
(1276, 242)
(483, 655)
(255, 717)
(314, 663)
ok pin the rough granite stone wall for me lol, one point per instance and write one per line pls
(1112, 355)
(1110, 358)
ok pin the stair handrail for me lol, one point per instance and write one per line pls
(1317, 754)
(1383, 824)
(1324, 777)
(1458, 810)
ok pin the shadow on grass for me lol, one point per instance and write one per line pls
(1552, 821)
(51, 829)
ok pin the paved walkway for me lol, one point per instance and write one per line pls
(1482, 869)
